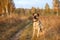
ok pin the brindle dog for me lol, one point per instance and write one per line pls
(36, 25)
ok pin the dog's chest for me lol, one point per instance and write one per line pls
(36, 25)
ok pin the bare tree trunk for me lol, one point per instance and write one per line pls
(6, 10)
(3, 12)
(57, 13)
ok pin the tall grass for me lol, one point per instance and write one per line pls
(9, 26)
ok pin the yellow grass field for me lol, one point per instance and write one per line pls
(50, 27)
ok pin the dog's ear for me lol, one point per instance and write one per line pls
(33, 14)
(37, 14)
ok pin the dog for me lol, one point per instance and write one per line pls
(36, 25)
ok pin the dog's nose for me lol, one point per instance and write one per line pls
(35, 17)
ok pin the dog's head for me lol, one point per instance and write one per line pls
(35, 15)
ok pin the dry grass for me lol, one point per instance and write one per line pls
(50, 27)
(10, 25)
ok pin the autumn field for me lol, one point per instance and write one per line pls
(16, 23)
(9, 26)
(20, 28)
(50, 29)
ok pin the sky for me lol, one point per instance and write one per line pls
(32, 3)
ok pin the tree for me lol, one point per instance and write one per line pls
(0, 7)
(47, 9)
(11, 6)
(27, 12)
(38, 11)
(33, 10)
(22, 11)
(7, 6)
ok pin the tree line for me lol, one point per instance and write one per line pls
(45, 11)
(6, 7)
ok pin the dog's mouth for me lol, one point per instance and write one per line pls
(35, 17)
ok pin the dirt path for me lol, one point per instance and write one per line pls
(16, 36)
